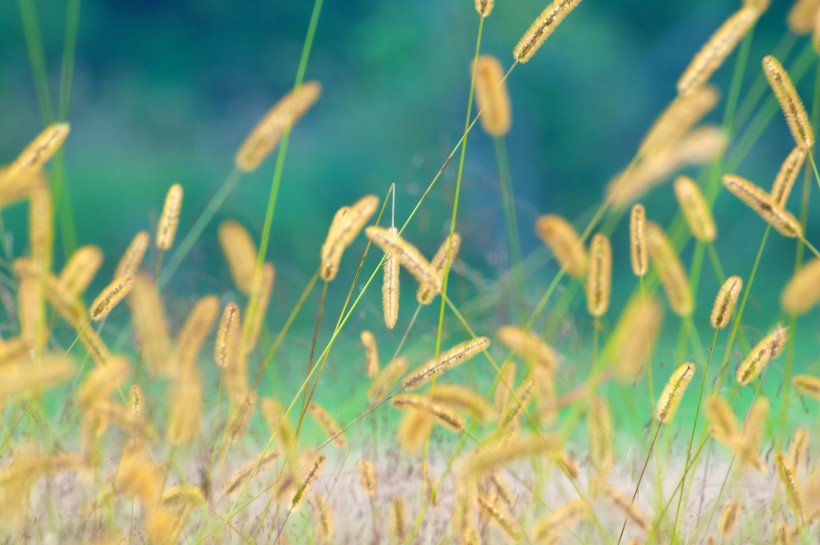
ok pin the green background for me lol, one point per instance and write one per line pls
(165, 91)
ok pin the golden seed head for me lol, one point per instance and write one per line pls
(413, 430)
(311, 473)
(807, 385)
(169, 220)
(198, 325)
(371, 354)
(724, 426)
(715, 51)
(762, 203)
(386, 378)
(447, 360)
(110, 297)
(267, 134)
(258, 301)
(728, 518)
(671, 271)
(695, 209)
(345, 227)
(328, 424)
(787, 479)
(529, 346)
(367, 477)
(679, 117)
(725, 302)
(801, 16)
(600, 436)
(240, 252)
(672, 393)
(484, 7)
(80, 270)
(132, 258)
(492, 97)
(463, 399)
(565, 243)
(634, 337)
(442, 415)
(790, 102)
(407, 254)
(786, 176)
(599, 278)
(766, 350)
(226, 348)
(637, 240)
(390, 288)
(39, 151)
(447, 251)
(544, 25)
(398, 519)
(150, 324)
(802, 292)
(799, 445)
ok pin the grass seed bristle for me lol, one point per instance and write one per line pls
(695, 209)
(787, 479)
(464, 399)
(258, 307)
(725, 302)
(671, 271)
(407, 254)
(766, 350)
(445, 361)
(807, 385)
(39, 151)
(249, 470)
(786, 176)
(110, 297)
(367, 477)
(802, 292)
(672, 393)
(765, 206)
(345, 227)
(492, 97)
(371, 354)
(790, 103)
(678, 118)
(451, 246)
(637, 240)
(543, 26)
(715, 51)
(601, 436)
(240, 253)
(442, 415)
(267, 134)
(484, 7)
(80, 270)
(150, 324)
(503, 520)
(169, 219)
(728, 518)
(132, 258)
(565, 243)
(328, 424)
(384, 381)
(226, 347)
(599, 278)
(390, 288)
(309, 476)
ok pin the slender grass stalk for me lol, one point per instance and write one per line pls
(510, 218)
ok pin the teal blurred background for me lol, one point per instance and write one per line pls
(165, 91)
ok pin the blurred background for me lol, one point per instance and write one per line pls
(165, 91)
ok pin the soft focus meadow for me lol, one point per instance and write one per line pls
(434, 272)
